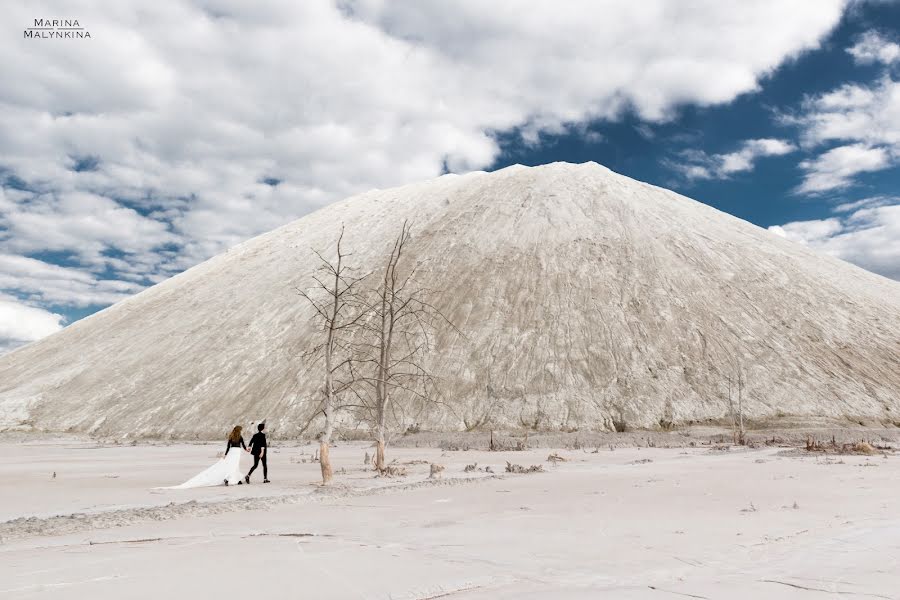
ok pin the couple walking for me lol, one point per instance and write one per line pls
(228, 469)
(257, 449)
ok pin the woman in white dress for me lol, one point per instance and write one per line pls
(226, 471)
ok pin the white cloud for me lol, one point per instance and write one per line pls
(81, 223)
(853, 112)
(805, 232)
(835, 168)
(866, 202)
(176, 113)
(743, 159)
(868, 236)
(696, 164)
(864, 119)
(55, 285)
(872, 47)
(20, 324)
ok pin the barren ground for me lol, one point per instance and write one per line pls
(631, 522)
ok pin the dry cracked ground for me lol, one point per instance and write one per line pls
(82, 520)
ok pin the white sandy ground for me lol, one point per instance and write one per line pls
(690, 523)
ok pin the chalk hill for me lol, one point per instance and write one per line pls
(585, 298)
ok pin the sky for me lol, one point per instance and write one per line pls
(180, 128)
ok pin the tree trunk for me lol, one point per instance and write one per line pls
(324, 458)
(741, 406)
(325, 462)
(734, 430)
(379, 456)
(379, 440)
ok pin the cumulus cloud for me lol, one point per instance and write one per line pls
(696, 164)
(183, 127)
(854, 112)
(864, 233)
(20, 323)
(864, 119)
(84, 224)
(54, 285)
(805, 232)
(835, 168)
(873, 47)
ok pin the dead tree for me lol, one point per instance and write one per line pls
(338, 307)
(735, 383)
(397, 334)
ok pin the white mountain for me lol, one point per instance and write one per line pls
(584, 297)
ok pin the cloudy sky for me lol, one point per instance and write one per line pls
(182, 127)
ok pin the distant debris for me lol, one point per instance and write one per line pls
(392, 471)
(862, 447)
(474, 467)
(511, 468)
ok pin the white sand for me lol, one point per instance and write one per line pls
(679, 526)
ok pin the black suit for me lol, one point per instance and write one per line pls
(257, 446)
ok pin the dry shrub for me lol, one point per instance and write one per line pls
(451, 447)
(436, 471)
(474, 468)
(511, 468)
(863, 448)
(507, 445)
(392, 471)
(813, 445)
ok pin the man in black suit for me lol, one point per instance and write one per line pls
(258, 450)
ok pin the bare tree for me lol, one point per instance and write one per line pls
(338, 309)
(397, 333)
(735, 385)
(733, 373)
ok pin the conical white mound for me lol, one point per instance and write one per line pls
(583, 297)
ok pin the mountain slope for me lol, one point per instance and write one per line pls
(584, 297)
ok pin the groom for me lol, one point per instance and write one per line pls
(258, 449)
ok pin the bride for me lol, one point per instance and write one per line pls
(225, 471)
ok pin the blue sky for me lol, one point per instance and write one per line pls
(183, 128)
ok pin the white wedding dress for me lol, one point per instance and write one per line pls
(227, 468)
